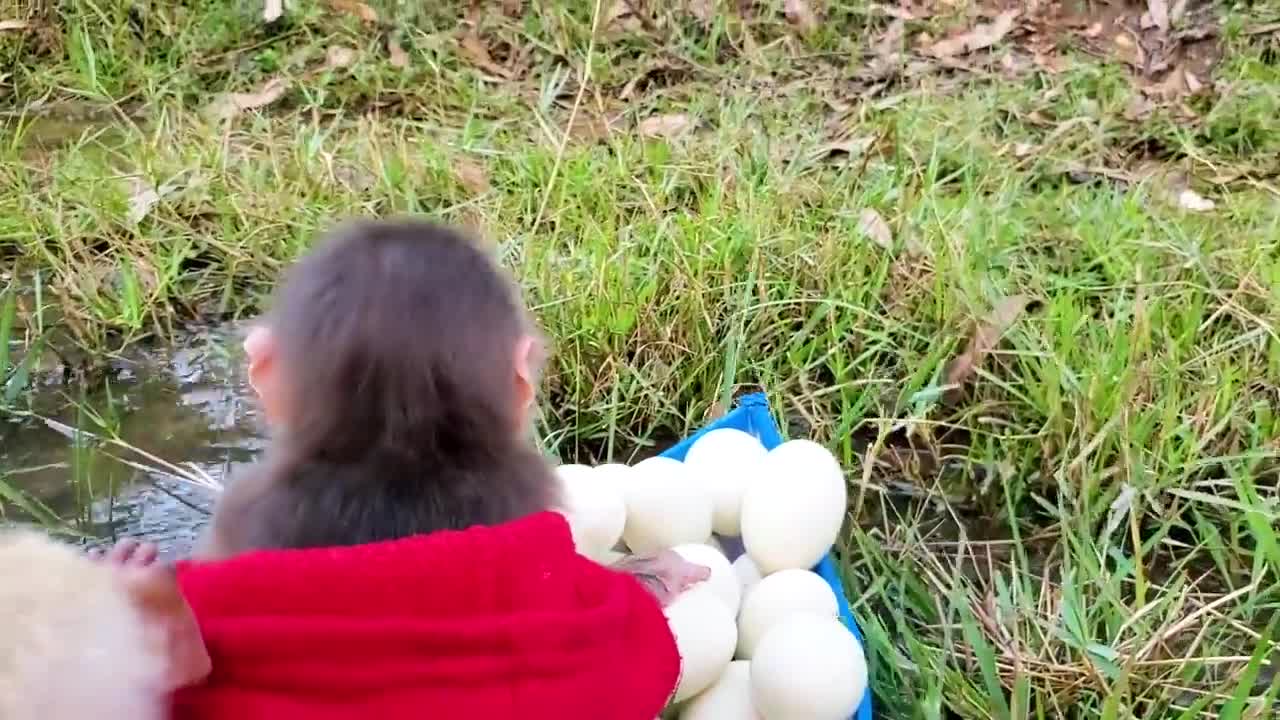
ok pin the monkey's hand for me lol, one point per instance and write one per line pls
(171, 625)
(666, 574)
(128, 553)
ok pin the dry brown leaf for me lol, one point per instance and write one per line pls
(1266, 29)
(801, 16)
(14, 25)
(853, 147)
(589, 127)
(471, 176)
(356, 8)
(338, 57)
(665, 126)
(887, 51)
(232, 104)
(1052, 64)
(1139, 107)
(983, 35)
(1189, 199)
(621, 18)
(1003, 315)
(399, 58)
(1158, 11)
(272, 10)
(144, 197)
(1194, 85)
(901, 12)
(513, 8)
(476, 52)
(892, 42)
(875, 228)
(703, 10)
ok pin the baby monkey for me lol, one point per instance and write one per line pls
(82, 639)
(397, 369)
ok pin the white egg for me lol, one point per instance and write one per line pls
(808, 667)
(725, 461)
(748, 574)
(777, 597)
(723, 581)
(615, 474)
(793, 510)
(705, 636)
(728, 699)
(664, 507)
(595, 509)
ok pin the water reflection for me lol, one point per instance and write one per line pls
(188, 405)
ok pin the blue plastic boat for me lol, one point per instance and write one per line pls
(752, 416)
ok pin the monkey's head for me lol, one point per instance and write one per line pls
(395, 335)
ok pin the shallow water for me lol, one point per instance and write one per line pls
(189, 404)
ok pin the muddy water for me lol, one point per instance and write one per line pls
(188, 404)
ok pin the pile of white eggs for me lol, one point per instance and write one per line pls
(761, 639)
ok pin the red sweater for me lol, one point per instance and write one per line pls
(491, 622)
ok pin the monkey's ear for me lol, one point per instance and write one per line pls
(264, 377)
(170, 623)
(528, 364)
(260, 348)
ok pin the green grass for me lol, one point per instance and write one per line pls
(1086, 529)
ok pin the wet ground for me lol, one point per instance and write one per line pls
(188, 405)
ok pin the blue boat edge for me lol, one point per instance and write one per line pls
(752, 415)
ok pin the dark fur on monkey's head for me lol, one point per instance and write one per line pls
(406, 365)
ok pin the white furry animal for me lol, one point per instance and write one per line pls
(74, 645)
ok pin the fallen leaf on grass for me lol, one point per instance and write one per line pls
(887, 51)
(14, 25)
(144, 197)
(852, 147)
(233, 104)
(801, 16)
(874, 227)
(513, 8)
(356, 8)
(983, 35)
(272, 10)
(1002, 317)
(1266, 29)
(703, 10)
(590, 127)
(665, 126)
(621, 19)
(399, 58)
(338, 57)
(1158, 13)
(471, 176)
(1119, 509)
(476, 52)
(1189, 199)
(902, 12)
